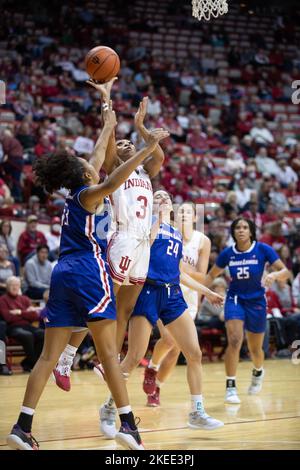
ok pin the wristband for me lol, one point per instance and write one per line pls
(105, 106)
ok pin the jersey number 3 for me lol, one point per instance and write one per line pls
(243, 273)
(144, 203)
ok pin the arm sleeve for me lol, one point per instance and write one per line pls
(222, 260)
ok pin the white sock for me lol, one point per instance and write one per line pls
(110, 402)
(153, 366)
(124, 410)
(67, 355)
(158, 383)
(259, 369)
(197, 403)
(27, 411)
(70, 350)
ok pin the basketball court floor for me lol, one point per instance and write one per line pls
(69, 420)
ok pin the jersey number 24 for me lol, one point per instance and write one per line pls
(172, 248)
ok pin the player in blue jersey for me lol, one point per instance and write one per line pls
(81, 291)
(162, 298)
(245, 306)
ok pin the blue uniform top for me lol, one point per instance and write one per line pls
(83, 231)
(246, 269)
(165, 256)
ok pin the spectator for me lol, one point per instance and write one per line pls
(7, 239)
(53, 237)
(270, 214)
(253, 214)
(278, 198)
(234, 163)
(154, 105)
(44, 146)
(7, 268)
(296, 290)
(266, 165)
(19, 314)
(37, 273)
(5, 195)
(274, 237)
(13, 162)
(261, 134)
(243, 193)
(286, 174)
(30, 239)
(285, 256)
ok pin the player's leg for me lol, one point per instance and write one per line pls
(62, 370)
(164, 358)
(138, 339)
(139, 332)
(126, 300)
(255, 343)
(255, 325)
(104, 336)
(235, 335)
(54, 343)
(184, 331)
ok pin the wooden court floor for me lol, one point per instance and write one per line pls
(70, 420)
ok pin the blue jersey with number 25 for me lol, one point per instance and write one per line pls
(247, 268)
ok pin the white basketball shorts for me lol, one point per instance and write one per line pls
(128, 258)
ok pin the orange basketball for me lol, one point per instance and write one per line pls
(102, 63)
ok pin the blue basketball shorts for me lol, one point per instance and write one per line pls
(81, 290)
(252, 312)
(158, 302)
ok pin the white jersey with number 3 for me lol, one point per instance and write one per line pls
(132, 203)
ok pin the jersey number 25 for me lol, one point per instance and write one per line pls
(243, 273)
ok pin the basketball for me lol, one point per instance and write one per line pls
(102, 63)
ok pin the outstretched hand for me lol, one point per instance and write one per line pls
(141, 113)
(215, 299)
(157, 135)
(103, 88)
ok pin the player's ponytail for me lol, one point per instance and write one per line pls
(251, 224)
(59, 170)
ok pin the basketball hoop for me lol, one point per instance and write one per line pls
(204, 9)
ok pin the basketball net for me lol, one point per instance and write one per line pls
(204, 9)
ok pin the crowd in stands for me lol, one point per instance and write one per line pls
(222, 89)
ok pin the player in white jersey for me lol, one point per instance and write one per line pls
(196, 250)
(128, 252)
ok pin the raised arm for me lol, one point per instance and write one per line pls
(93, 196)
(111, 160)
(153, 164)
(100, 149)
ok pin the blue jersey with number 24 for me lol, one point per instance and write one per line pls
(165, 256)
